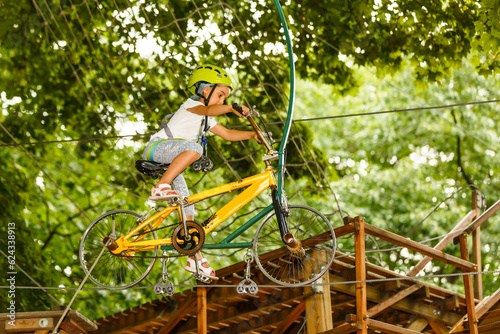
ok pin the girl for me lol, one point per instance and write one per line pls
(179, 142)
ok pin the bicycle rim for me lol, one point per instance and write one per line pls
(115, 272)
(285, 267)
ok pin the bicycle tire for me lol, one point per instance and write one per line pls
(115, 272)
(282, 266)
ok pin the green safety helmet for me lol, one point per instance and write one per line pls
(209, 74)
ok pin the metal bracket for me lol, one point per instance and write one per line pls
(247, 286)
(270, 157)
(164, 286)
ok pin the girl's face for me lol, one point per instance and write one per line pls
(219, 95)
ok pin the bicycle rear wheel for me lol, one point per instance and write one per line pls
(289, 267)
(116, 271)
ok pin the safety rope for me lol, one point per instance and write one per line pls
(79, 288)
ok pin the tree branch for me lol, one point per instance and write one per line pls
(459, 156)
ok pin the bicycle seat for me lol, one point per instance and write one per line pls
(151, 168)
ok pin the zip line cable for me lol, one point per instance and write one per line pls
(275, 286)
(267, 123)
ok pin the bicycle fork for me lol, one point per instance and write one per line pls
(293, 244)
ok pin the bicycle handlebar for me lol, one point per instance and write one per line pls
(238, 108)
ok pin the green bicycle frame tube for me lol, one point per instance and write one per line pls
(286, 131)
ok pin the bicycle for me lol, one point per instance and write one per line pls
(294, 245)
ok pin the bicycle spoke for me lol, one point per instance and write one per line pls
(116, 271)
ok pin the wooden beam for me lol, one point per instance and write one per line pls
(77, 318)
(444, 242)
(359, 245)
(290, 319)
(469, 293)
(487, 303)
(201, 304)
(29, 325)
(318, 301)
(418, 324)
(438, 327)
(417, 247)
(392, 300)
(479, 221)
(476, 258)
(476, 250)
(481, 309)
(387, 328)
(413, 307)
(345, 328)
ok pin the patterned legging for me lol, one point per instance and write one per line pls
(165, 152)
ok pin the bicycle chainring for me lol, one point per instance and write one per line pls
(190, 244)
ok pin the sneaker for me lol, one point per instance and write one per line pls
(162, 193)
(205, 269)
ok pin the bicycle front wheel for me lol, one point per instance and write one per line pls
(116, 271)
(301, 266)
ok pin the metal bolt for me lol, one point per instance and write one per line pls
(43, 322)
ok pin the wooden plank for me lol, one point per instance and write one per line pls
(387, 328)
(201, 305)
(418, 324)
(487, 303)
(417, 247)
(469, 292)
(392, 300)
(290, 319)
(317, 300)
(481, 309)
(359, 245)
(406, 305)
(479, 221)
(344, 328)
(444, 242)
(83, 322)
(476, 258)
(476, 250)
(30, 325)
(438, 327)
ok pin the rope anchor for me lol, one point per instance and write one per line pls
(164, 286)
(247, 286)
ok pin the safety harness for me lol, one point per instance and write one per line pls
(203, 163)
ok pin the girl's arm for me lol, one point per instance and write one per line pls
(216, 110)
(233, 135)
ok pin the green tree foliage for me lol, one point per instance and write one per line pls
(74, 75)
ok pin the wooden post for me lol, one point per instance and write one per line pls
(359, 240)
(476, 250)
(320, 317)
(469, 293)
(202, 310)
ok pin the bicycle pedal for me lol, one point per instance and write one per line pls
(204, 279)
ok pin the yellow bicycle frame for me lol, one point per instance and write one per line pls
(255, 185)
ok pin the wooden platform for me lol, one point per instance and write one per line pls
(424, 309)
(402, 306)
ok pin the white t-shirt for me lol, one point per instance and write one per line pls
(185, 124)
